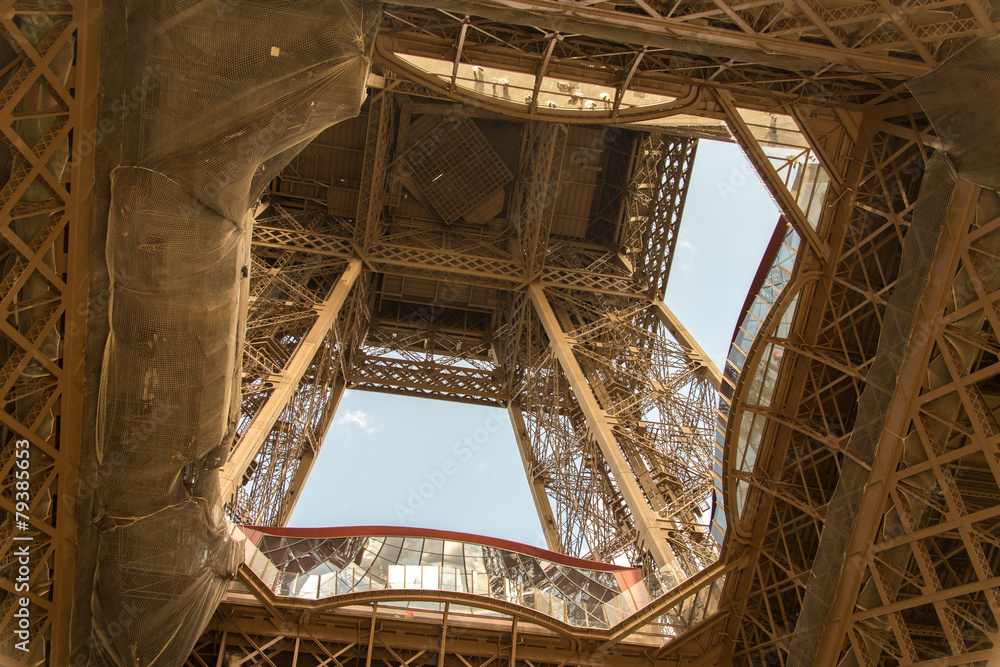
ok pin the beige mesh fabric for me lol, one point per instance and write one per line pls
(959, 97)
(965, 119)
(203, 102)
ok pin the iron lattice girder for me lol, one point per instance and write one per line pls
(783, 543)
(45, 209)
(858, 284)
(645, 519)
(303, 313)
(487, 271)
(628, 59)
(243, 630)
(81, 26)
(904, 589)
(418, 350)
(905, 399)
(291, 625)
(770, 40)
(428, 378)
(253, 436)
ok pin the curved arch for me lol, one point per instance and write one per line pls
(435, 533)
(796, 284)
(259, 590)
(681, 105)
(454, 597)
(576, 635)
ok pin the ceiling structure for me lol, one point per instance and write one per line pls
(855, 457)
(442, 304)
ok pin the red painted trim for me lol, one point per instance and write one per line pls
(770, 252)
(395, 531)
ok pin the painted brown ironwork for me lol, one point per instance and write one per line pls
(825, 326)
(448, 313)
(44, 225)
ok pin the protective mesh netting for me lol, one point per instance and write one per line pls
(960, 97)
(202, 104)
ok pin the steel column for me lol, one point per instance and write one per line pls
(765, 170)
(309, 455)
(695, 352)
(542, 505)
(645, 519)
(901, 411)
(246, 448)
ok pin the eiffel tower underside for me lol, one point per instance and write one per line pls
(218, 216)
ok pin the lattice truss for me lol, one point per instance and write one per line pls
(42, 241)
(934, 566)
(288, 289)
(838, 53)
(803, 476)
(653, 205)
(435, 633)
(919, 584)
(440, 348)
(900, 608)
(662, 410)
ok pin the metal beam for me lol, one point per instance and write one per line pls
(458, 53)
(371, 635)
(645, 519)
(901, 411)
(309, 455)
(444, 634)
(762, 164)
(706, 577)
(623, 86)
(222, 649)
(598, 21)
(694, 351)
(247, 447)
(542, 505)
(513, 642)
(439, 264)
(542, 69)
(84, 115)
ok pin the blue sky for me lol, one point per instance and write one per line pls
(392, 460)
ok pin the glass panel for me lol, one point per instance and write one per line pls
(741, 496)
(409, 557)
(771, 377)
(432, 559)
(397, 576)
(785, 323)
(285, 584)
(327, 585)
(588, 597)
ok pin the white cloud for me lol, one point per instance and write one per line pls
(359, 418)
(685, 255)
